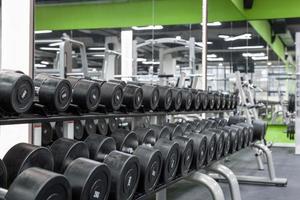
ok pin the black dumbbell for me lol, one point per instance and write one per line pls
(223, 101)
(17, 92)
(34, 183)
(226, 142)
(233, 137)
(112, 125)
(259, 130)
(89, 127)
(205, 100)
(200, 144)
(165, 98)
(236, 119)
(218, 102)
(211, 145)
(53, 92)
(111, 95)
(240, 136)
(85, 93)
(47, 134)
(187, 99)
(150, 93)
(196, 103)
(211, 101)
(220, 140)
(245, 134)
(125, 168)
(176, 99)
(89, 179)
(249, 127)
(151, 160)
(102, 127)
(133, 95)
(186, 146)
(170, 152)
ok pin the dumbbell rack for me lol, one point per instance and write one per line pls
(202, 177)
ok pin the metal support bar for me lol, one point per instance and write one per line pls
(258, 156)
(208, 182)
(161, 195)
(230, 177)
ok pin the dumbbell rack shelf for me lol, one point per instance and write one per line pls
(36, 118)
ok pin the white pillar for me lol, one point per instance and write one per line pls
(16, 54)
(126, 46)
(297, 120)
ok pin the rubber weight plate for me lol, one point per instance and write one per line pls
(161, 132)
(250, 131)
(187, 99)
(186, 147)
(17, 92)
(102, 127)
(133, 97)
(151, 97)
(39, 184)
(236, 119)
(223, 101)
(240, 136)
(3, 175)
(112, 125)
(220, 143)
(227, 141)
(171, 157)
(111, 95)
(200, 150)
(85, 94)
(47, 134)
(53, 92)
(126, 141)
(125, 170)
(145, 136)
(89, 179)
(196, 103)
(245, 134)
(211, 145)
(65, 151)
(205, 100)
(58, 130)
(165, 98)
(89, 127)
(259, 130)
(217, 98)
(23, 156)
(176, 99)
(78, 130)
(234, 140)
(151, 165)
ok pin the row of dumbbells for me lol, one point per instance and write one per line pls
(55, 95)
(130, 161)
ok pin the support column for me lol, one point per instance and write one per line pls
(126, 46)
(16, 54)
(297, 117)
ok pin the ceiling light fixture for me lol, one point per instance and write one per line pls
(98, 55)
(49, 49)
(143, 28)
(141, 59)
(97, 48)
(39, 65)
(253, 54)
(151, 63)
(246, 36)
(246, 47)
(43, 31)
(215, 59)
(200, 44)
(212, 56)
(223, 36)
(45, 62)
(214, 24)
(260, 58)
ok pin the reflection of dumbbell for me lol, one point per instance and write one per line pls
(53, 92)
(133, 95)
(125, 168)
(169, 150)
(150, 158)
(150, 93)
(89, 179)
(17, 92)
(34, 184)
(85, 93)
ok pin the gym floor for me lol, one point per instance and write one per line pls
(287, 165)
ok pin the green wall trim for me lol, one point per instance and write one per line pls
(131, 13)
(263, 28)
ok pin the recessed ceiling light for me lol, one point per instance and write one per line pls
(215, 59)
(213, 24)
(43, 31)
(246, 36)
(212, 55)
(49, 49)
(39, 65)
(246, 47)
(141, 59)
(98, 55)
(142, 28)
(260, 58)
(151, 63)
(96, 48)
(223, 36)
(253, 54)
(45, 62)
